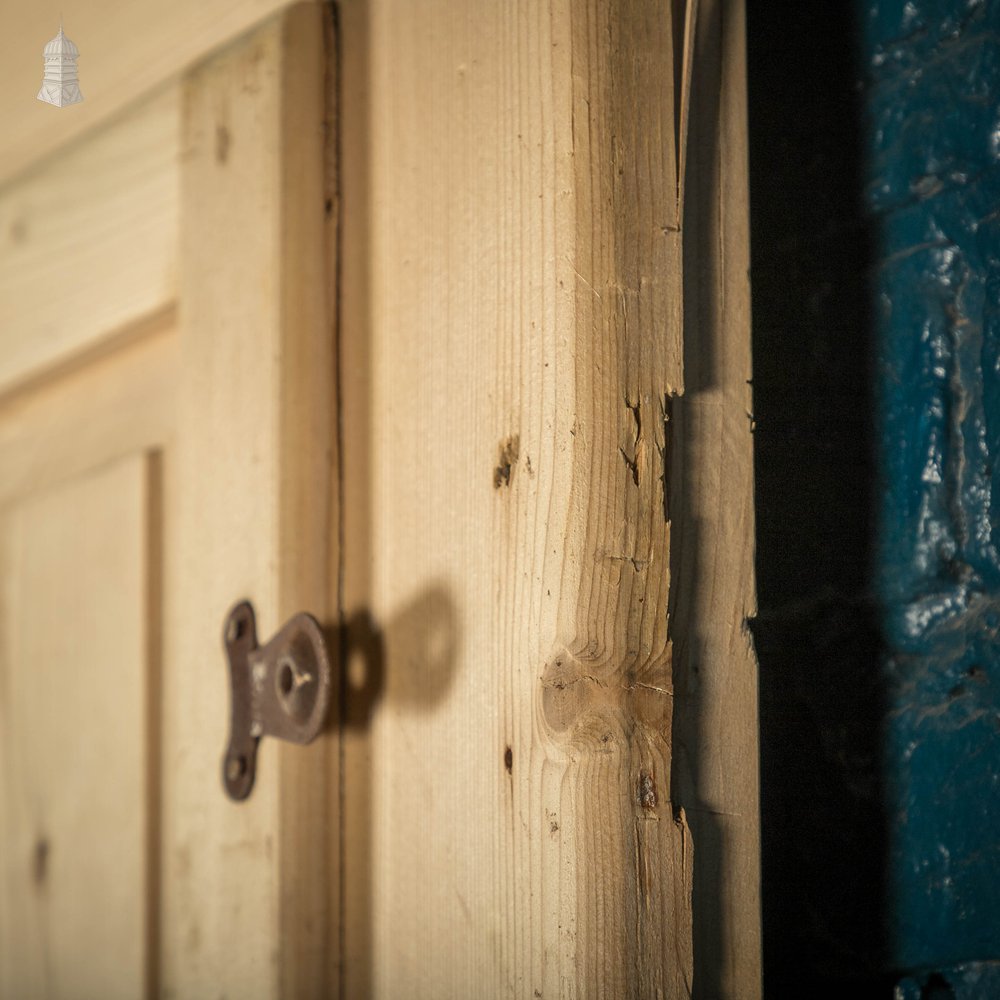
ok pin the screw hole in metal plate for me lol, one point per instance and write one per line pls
(280, 689)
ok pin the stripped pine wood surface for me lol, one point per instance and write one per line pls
(511, 345)
(75, 901)
(159, 463)
(88, 242)
(249, 888)
(127, 50)
(88, 373)
(481, 396)
(69, 424)
(712, 590)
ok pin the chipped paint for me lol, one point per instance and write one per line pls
(933, 189)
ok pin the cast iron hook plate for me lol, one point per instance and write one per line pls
(280, 689)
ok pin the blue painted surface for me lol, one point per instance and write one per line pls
(977, 981)
(932, 97)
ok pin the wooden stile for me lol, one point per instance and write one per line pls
(251, 883)
(713, 593)
(511, 298)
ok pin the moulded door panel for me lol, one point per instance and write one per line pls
(166, 381)
(76, 748)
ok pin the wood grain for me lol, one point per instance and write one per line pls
(511, 339)
(114, 407)
(126, 51)
(713, 593)
(501, 813)
(247, 887)
(75, 744)
(628, 365)
(88, 242)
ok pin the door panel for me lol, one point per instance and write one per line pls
(166, 449)
(126, 50)
(88, 242)
(79, 569)
(90, 415)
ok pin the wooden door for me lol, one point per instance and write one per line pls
(480, 447)
(165, 430)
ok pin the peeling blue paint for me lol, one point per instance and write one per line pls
(932, 96)
(977, 981)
